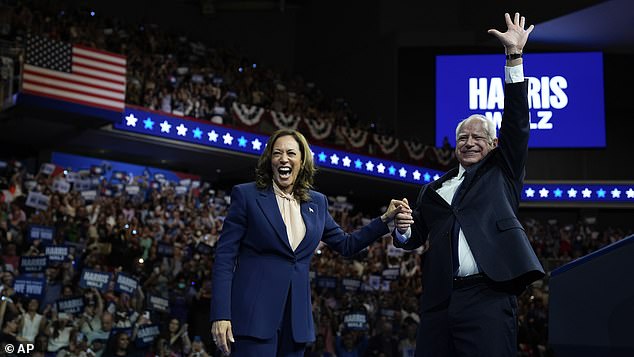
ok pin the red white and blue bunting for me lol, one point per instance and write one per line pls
(248, 115)
(415, 150)
(283, 121)
(387, 144)
(319, 129)
(355, 137)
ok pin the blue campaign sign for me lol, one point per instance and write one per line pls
(30, 287)
(125, 283)
(327, 282)
(57, 253)
(146, 335)
(565, 96)
(157, 303)
(94, 279)
(43, 233)
(74, 305)
(36, 264)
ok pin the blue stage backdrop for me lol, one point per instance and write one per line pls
(565, 96)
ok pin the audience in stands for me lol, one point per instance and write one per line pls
(185, 77)
(165, 240)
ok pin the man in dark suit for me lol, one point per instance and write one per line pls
(478, 257)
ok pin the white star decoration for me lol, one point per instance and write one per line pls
(346, 161)
(213, 136)
(543, 192)
(572, 193)
(586, 193)
(131, 120)
(402, 172)
(530, 192)
(416, 175)
(227, 139)
(380, 168)
(257, 144)
(165, 127)
(369, 166)
(630, 193)
(334, 159)
(616, 193)
(182, 130)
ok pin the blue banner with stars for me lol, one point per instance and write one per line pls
(207, 134)
(204, 133)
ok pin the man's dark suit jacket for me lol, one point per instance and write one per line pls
(486, 207)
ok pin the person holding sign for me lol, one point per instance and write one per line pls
(477, 256)
(261, 289)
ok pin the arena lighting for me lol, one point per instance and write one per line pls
(206, 134)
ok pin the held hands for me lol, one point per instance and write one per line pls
(394, 208)
(515, 36)
(403, 220)
(222, 335)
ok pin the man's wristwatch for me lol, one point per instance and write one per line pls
(513, 56)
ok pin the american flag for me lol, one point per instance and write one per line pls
(74, 73)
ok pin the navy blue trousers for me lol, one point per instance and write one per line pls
(477, 320)
(281, 345)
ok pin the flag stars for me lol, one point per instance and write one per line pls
(181, 130)
(616, 193)
(380, 168)
(402, 172)
(369, 166)
(213, 136)
(558, 192)
(346, 161)
(165, 127)
(131, 120)
(391, 170)
(572, 193)
(543, 192)
(601, 193)
(334, 159)
(227, 139)
(357, 164)
(257, 144)
(242, 142)
(426, 177)
(416, 175)
(586, 193)
(321, 157)
(630, 193)
(530, 192)
(198, 134)
(148, 124)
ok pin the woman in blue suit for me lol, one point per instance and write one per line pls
(261, 289)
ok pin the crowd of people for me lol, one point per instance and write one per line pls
(134, 278)
(364, 306)
(183, 76)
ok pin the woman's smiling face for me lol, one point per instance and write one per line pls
(286, 162)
